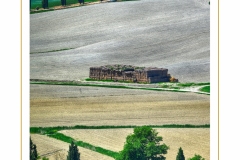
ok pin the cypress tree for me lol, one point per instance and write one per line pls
(73, 153)
(81, 1)
(33, 151)
(44, 4)
(180, 155)
(63, 2)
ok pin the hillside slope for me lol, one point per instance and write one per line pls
(160, 33)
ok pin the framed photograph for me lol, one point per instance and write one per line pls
(119, 79)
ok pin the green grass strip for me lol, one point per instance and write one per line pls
(71, 83)
(192, 84)
(68, 139)
(205, 89)
(53, 130)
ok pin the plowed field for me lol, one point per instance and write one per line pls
(173, 34)
(68, 106)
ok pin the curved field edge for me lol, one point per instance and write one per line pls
(53, 133)
(79, 83)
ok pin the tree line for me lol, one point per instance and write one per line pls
(63, 3)
(143, 144)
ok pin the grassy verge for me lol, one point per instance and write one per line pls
(72, 83)
(192, 84)
(205, 89)
(68, 139)
(181, 85)
(53, 130)
(53, 50)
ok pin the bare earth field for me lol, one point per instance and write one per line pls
(173, 34)
(192, 140)
(52, 149)
(53, 105)
(160, 33)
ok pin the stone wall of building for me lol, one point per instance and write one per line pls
(130, 73)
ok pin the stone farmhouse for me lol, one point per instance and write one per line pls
(131, 73)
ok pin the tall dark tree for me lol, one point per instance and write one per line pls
(81, 1)
(180, 155)
(143, 144)
(44, 4)
(63, 2)
(33, 151)
(73, 153)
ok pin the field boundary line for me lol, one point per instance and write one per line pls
(107, 85)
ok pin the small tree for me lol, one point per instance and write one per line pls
(33, 151)
(196, 157)
(73, 153)
(180, 155)
(143, 144)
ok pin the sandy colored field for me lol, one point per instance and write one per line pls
(51, 148)
(192, 141)
(67, 106)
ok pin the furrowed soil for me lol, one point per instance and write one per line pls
(58, 150)
(192, 140)
(53, 105)
(152, 33)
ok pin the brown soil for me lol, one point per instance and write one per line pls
(67, 106)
